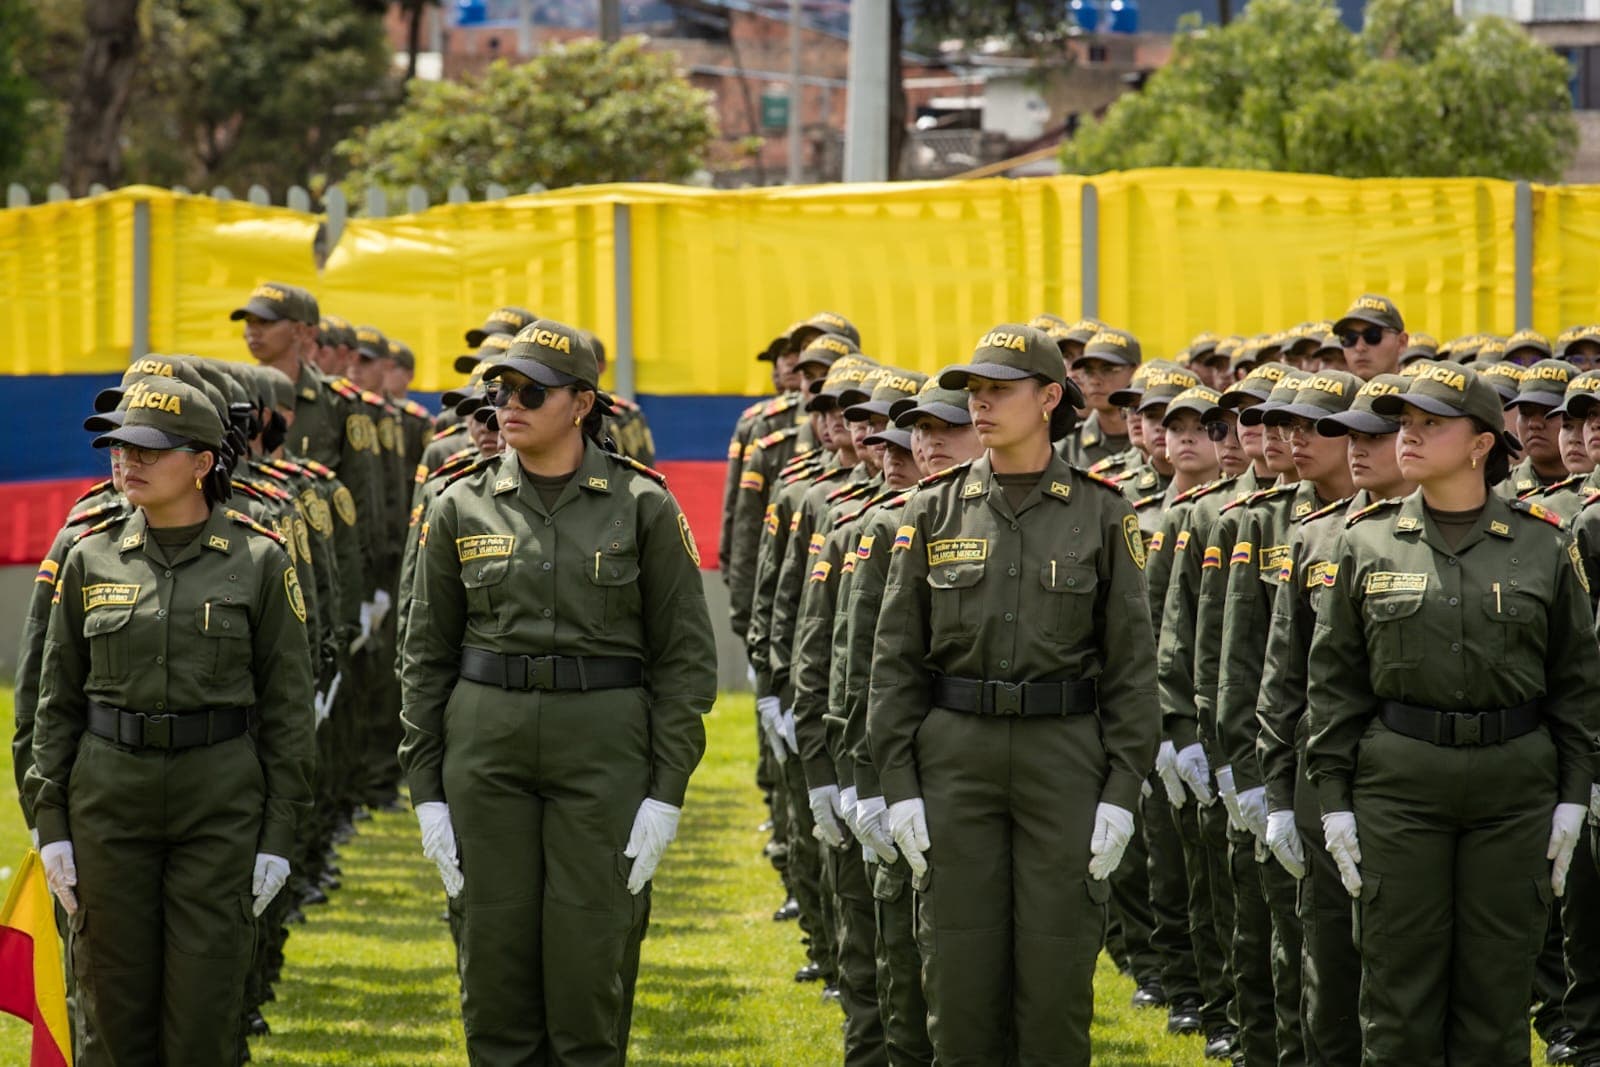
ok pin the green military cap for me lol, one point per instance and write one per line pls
(1359, 416)
(1255, 386)
(825, 322)
(506, 321)
(273, 301)
(843, 384)
(1491, 349)
(1082, 330)
(402, 355)
(1581, 335)
(1129, 395)
(1227, 346)
(1505, 377)
(1583, 393)
(1543, 383)
(371, 343)
(1451, 391)
(550, 353)
(1462, 349)
(1421, 346)
(779, 344)
(1199, 399)
(891, 435)
(1329, 342)
(826, 349)
(1204, 347)
(333, 331)
(1322, 393)
(1112, 346)
(154, 365)
(1009, 352)
(1524, 341)
(891, 386)
(1047, 322)
(165, 413)
(1246, 354)
(1164, 382)
(494, 347)
(230, 379)
(1284, 392)
(1371, 309)
(1273, 345)
(949, 405)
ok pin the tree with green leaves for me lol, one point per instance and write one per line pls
(578, 113)
(20, 118)
(1419, 92)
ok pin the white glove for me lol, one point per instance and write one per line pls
(322, 703)
(34, 833)
(61, 873)
(771, 711)
(1230, 799)
(824, 801)
(380, 607)
(847, 809)
(367, 610)
(1284, 841)
(1339, 832)
(868, 855)
(439, 844)
(654, 826)
(908, 825)
(1565, 826)
(1167, 771)
(788, 732)
(1195, 771)
(872, 827)
(1113, 829)
(1594, 802)
(270, 874)
(1253, 810)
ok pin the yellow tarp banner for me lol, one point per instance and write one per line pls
(1566, 257)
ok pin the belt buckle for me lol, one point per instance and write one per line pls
(541, 672)
(157, 731)
(1008, 698)
(1466, 729)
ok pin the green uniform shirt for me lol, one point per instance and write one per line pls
(759, 484)
(1566, 497)
(1051, 592)
(611, 570)
(1522, 480)
(1089, 444)
(222, 625)
(1501, 619)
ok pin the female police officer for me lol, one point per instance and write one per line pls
(173, 742)
(1012, 715)
(557, 661)
(1451, 732)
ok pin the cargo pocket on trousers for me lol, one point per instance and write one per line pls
(1364, 919)
(888, 884)
(923, 914)
(247, 924)
(79, 953)
(1539, 923)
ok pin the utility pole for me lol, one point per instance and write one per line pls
(610, 20)
(794, 92)
(866, 124)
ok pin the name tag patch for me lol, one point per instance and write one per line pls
(484, 546)
(109, 595)
(957, 550)
(1394, 582)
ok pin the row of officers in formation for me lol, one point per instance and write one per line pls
(245, 640)
(1268, 669)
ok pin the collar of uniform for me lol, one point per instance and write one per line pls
(308, 387)
(1413, 520)
(1306, 500)
(1055, 484)
(134, 532)
(1089, 435)
(594, 473)
(507, 475)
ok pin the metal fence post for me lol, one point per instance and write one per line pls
(1089, 206)
(141, 280)
(1522, 216)
(622, 283)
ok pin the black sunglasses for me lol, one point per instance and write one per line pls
(531, 396)
(1218, 431)
(1371, 334)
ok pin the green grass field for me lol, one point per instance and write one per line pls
(370, 977)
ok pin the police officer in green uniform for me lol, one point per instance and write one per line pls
(1452, 732)
(1373, 335)
(1011, 715)
(559, 630)
(1540, 390)
(1100, 367)
(172, 742)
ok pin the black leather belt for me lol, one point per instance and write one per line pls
(1023, 699)
(550, 672)
(174, 730)
(1459, 729)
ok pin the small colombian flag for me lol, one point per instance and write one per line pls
(902, 539)
(47, 572)
(1242, 552)
(1213, 558)
(32, 983)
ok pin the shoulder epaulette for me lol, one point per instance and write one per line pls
(891, 498)
(779, 404)
(1594, 495)
(97, 512)
(288, 466)
(449, 431)
(1232, 504)
(414, 409)
(1535, 511)
(1372, 509)
(103, 524)
(1324, 512)
(472, 468)
(1146, 501)
(1566, 483)
(799, 458)
(247, 489)
(847, 492)
(241, 519)
(1269, 492)
(1200, 490)
(946, 474)
(622, 403)
(369, 397)
(270, 471)
(801, 474)
(1100, 479)
(97, 487)
(453, 464)
(320, 470)
(754, 409)
(345, 388)
(649, 472)
(265, 488)
(1105, 464)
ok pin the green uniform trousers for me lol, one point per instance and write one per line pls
(1580, 918)
(1009, 921)
(1204, 833)
(165, 846)
(1131, 920)
(1330, 967)
(805, 872)
(854, 925)
(1455, 896)
(543, 789)
(1550, 980)
(900, 1002)
(1252, 953)
(1281, 890)
(1169, 897)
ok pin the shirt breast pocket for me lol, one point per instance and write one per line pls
(106, 630)
(617, 576)
(1517, 624)
(1394, 632)
(225, 640)
(1067, 611)
(487, 594)
(955, 592)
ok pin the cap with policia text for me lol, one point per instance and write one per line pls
(825, 322)
(1451, 391)
(506, 321)
(1371, 309)
(550, 353)
(826, 349)
(891, 386)
(370, 343)
(402, 355)
(1583, 394)
(1504, 377)
(1320, 394)
(1524, 342)
(165, 413)
(1360, 417)
(1112, 346)
(1284, 392)
(1420, 346)
(1254, 387)
(494, 347)
(1008, 353)
(844, 384)
(1046, 321)
(1198, 400)
(1543, 384)
(1164, 382)
(273, 301)
(948, 405)
(334, 332)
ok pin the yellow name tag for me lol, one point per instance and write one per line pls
(958, 550)
(484, 546)
(1321, 575)
(1394, 582)
(109, 595)
(1273, 558)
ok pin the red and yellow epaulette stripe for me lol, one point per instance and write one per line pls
(1101, 479)
(1536, 511)
(241, 519)
(90, 514)
(1324, 512)
(319, 469)
(345, 388)
(103, 524)
(413, 408)
(1370, 510)
(648, 472)
(97, 487)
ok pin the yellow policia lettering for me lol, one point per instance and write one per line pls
(957, 550)
(158, 401)
(1436, 372)
(1015, 342)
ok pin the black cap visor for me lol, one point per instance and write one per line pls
(949, 413)
(141, 437)
(1367, 422)
(1541, 399)
(892, 436)
(260, 308)
(533, 371)
(956, 377)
